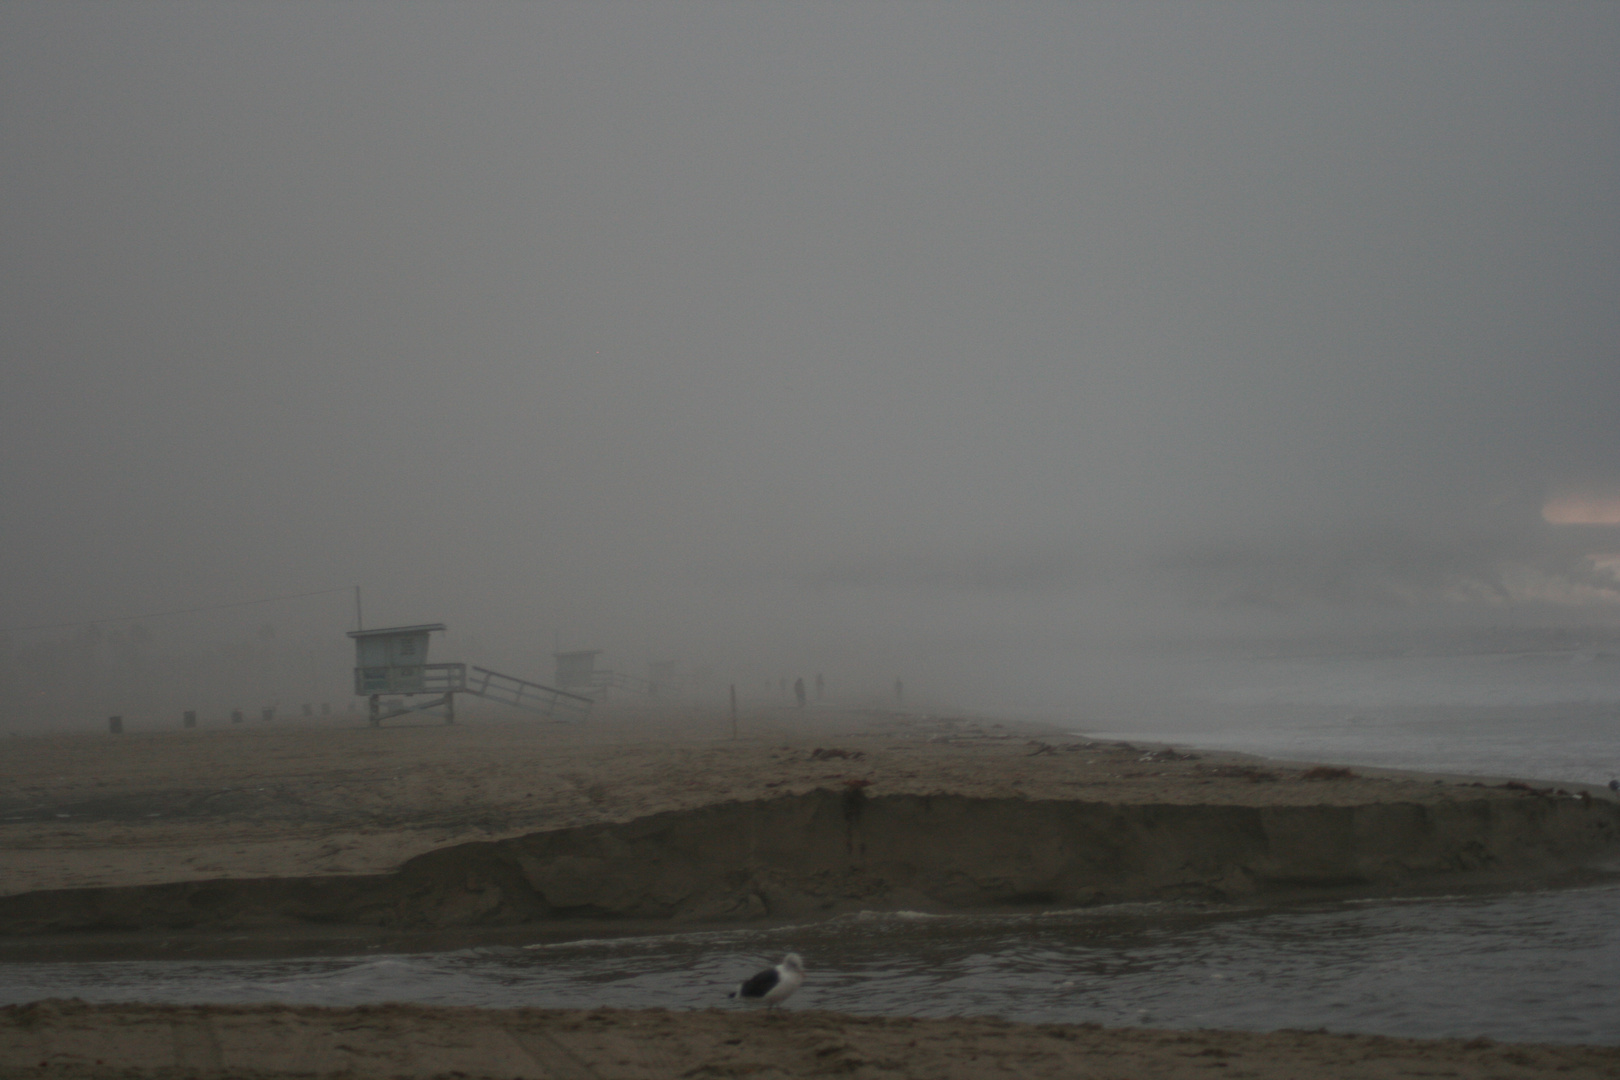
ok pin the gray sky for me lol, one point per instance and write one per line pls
(773, 333)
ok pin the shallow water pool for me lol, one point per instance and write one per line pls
(1539, 966)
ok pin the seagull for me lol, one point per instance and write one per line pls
(774, 984)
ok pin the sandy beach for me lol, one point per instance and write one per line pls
(499, 827)
(73, 1041)
(329, 798)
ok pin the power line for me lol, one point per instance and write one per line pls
(181, 611)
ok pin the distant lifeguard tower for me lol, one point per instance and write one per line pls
(578, 669)
(392, 660)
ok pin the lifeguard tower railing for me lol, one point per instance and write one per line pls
(447, 679)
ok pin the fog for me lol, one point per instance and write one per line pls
(972, 344)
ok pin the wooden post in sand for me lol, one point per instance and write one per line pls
(115, 725)
(733, 710)
(188, 718)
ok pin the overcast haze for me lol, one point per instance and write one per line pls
(877, 338)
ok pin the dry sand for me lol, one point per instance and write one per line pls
(298, 799)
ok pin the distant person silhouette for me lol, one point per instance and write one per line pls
(798, 690)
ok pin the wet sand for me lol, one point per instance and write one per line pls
(74, 1041)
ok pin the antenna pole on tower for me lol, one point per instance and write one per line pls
(359, 624)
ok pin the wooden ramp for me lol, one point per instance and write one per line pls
(550, 702)
(448, 680)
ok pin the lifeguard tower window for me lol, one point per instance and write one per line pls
(392, 660)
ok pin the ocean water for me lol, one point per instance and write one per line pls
(1544, 713)
(1528, 966)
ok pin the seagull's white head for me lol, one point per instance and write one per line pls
(792, 962)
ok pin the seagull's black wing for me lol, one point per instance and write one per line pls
(760, 984)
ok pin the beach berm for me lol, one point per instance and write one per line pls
(657, 816)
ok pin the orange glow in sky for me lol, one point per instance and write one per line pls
(1582, 510)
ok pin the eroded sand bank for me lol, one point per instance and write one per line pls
(663, 816)
(829, 851)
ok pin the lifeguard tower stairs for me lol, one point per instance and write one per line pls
(392, 661)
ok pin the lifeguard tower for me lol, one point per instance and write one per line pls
(392, 660)
(578, 669)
